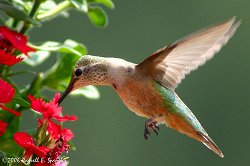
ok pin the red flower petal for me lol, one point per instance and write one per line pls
(7, 92)
(18, 41)
(40, 151)
(8, 59)
(4, 44)
(65, 118)
(23, 139)
(54, 130)
(37, 104)
(39, 121)
(3, 127)
(27, 142)
(10, 110)
(50, 109)
(56, 98)
(66, 134)
(57, 132)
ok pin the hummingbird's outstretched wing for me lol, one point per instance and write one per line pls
(170, 64)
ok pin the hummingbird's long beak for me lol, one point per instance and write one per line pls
(68, 90)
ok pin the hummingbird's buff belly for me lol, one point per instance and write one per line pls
(141, 98)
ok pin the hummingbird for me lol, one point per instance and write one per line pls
(148, 88)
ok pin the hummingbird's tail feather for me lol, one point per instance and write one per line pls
(208, 142)
(177, 123)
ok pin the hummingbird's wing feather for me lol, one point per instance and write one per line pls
(170, 64)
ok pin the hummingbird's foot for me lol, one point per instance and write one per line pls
(150, 124)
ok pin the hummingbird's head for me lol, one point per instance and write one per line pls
(89, 70)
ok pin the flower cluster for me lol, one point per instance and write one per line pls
(48, 146)
(10, 41)
(51, 139)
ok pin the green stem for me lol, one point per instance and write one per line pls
(15, 23)
(35, 7)
(55, 11)
(26, 25)
(1, 70)
(41, 133)
(4, 70)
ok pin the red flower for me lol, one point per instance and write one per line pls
(12, 39)
(8, 59)
(3, 127)
(57, 132)
(26, 141)
(6, 95)
(7, 92)
(50, 109)
(61, 137)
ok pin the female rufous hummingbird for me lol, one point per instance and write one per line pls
(147, 88)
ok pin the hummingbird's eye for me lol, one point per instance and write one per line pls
(78, 72)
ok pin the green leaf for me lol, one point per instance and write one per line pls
(49, 10)
(36, 58)
(76, 46)
(46, 6)
(14, 12)
(8, 145)
(48, 46)
(80, 5)
(107, 3)
(69, 46)
(26, 6)
(20, 101)
(97, 16)
(90, 92)
(68, 53)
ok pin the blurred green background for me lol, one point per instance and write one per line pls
(108, 134)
